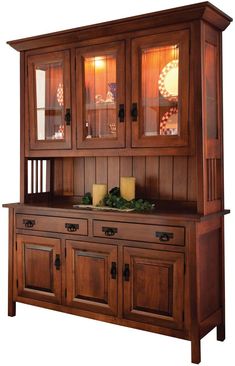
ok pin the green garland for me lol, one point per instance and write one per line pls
(114, 199)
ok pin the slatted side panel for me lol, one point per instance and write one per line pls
(213, 179)
(38, 176)
(157, 177)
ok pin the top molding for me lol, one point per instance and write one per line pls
(204, 11)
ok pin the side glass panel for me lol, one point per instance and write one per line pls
(100, 109)
(160, 90)
(49, 101)
(211, 91)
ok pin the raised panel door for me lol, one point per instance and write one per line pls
(39, 268)
(153, 286)
(91, 276)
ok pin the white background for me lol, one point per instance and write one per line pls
(42, 337)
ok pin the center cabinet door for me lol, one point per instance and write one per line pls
(38, 263)
(91, 277)
(160, 90)
(153, 283)
(100, 88)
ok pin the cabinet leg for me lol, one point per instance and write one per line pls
(11, 308)
(221, 332)
(196, 350)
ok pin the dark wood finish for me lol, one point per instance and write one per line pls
(38, 277)
(150, 233)
(153, 293)
(89, 282)
(11, 268)
(160, 271)
(59, 224)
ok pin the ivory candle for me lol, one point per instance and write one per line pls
(98, 193)
(127, 188)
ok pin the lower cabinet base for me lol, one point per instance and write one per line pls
(212, 322)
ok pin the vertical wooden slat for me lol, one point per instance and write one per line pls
(126, 166)
(102, 170)
(180, 174)
(58, 176)
(165, 177)
(68, 176)
(89, 173)
(48, 175)
(208, 163)
(36, 176)
(41, 175)
(79, 176)
(113, 172)
(152, 177)
(32, 176)
(192, 179)
(139, 167)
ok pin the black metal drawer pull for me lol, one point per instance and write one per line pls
(109, 231)
(164, 236)
(57, 262)
(114, 270)
(134, 111)
(29, 223)
(126, 272)
(67, 117)
(71, 227)
(121, 113)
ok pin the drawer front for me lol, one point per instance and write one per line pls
(139, 232)
(49, 223)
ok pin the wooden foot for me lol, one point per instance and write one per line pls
(11, 308)
(221, 332)
(196, 351)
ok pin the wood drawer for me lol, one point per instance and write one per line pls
(49, 223)
(139, 232)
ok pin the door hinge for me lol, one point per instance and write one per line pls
(65, 292)
(17, 283)
(184, 268)
(65, 252)
(16, 245)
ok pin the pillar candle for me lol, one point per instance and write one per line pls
(98, 193)
(127, 188)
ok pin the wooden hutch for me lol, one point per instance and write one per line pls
(138, 97)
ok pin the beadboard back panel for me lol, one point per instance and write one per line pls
(159, 177)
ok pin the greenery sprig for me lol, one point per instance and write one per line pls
(114, 199)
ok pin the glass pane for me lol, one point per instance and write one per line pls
(100, 118)
(211, 91)
(160, 90)
(50, 101)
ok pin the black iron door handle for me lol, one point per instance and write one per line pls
(29, 223)
(126, 272)
(121, 113)
(67, 117)
(57, 262)
(71, 227)
(134, 111)
(114, 270)
(109, 231)
(164, 236)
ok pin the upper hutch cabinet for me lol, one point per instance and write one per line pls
(160, 88)
(49, 101)
(100, 85)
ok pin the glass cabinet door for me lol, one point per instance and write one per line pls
(100, 96)
(160, 78)
(49, 101)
